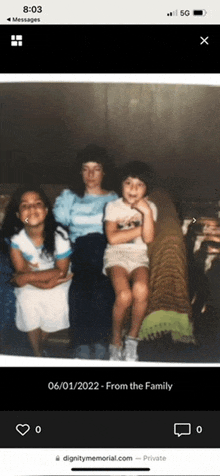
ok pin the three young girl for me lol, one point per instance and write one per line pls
(129, 228)
(40, 252)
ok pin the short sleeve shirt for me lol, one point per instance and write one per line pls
(34, 254)
(127, 218)
(83, 215)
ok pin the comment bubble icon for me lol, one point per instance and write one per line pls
(182, 429)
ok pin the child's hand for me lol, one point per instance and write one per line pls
(33, 266)
(19, 280)
(67, 278)
(142, 206)
(29, 266)
(53, 282)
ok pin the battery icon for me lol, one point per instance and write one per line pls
(199, 12)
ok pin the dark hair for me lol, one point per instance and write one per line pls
(12, 225)
(140, 170)
(93, 153)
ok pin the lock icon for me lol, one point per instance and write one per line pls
(57, 458)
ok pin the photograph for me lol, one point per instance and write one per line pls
(110, 221)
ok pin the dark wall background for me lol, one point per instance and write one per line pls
(175, 128)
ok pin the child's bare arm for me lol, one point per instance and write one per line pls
(52, 283)
(148, 230)
(51, 277)
(18, 261)
(148, 221)
(20, 281)
(117, 237)
(24, 276)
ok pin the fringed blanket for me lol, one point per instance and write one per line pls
(169, 305)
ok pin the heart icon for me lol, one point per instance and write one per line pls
(23, 429)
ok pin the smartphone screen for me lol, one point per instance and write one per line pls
(109, 231)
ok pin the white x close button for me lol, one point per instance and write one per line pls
(204, 40)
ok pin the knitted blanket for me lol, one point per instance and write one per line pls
(169, 305)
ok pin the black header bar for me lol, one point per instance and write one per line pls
(109, 49)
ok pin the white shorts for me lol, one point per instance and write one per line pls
(46, 309)
(127, 259)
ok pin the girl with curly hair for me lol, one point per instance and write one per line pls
(81, 209)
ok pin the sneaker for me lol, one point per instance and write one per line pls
(82, 352)
(130, 351)
(99, 351)
(115, 352)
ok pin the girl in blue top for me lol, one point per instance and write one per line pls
(91, 296)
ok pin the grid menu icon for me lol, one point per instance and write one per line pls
(16, 40)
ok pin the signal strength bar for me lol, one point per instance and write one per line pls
(172, 14)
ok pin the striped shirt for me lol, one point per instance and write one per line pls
(83, 215)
